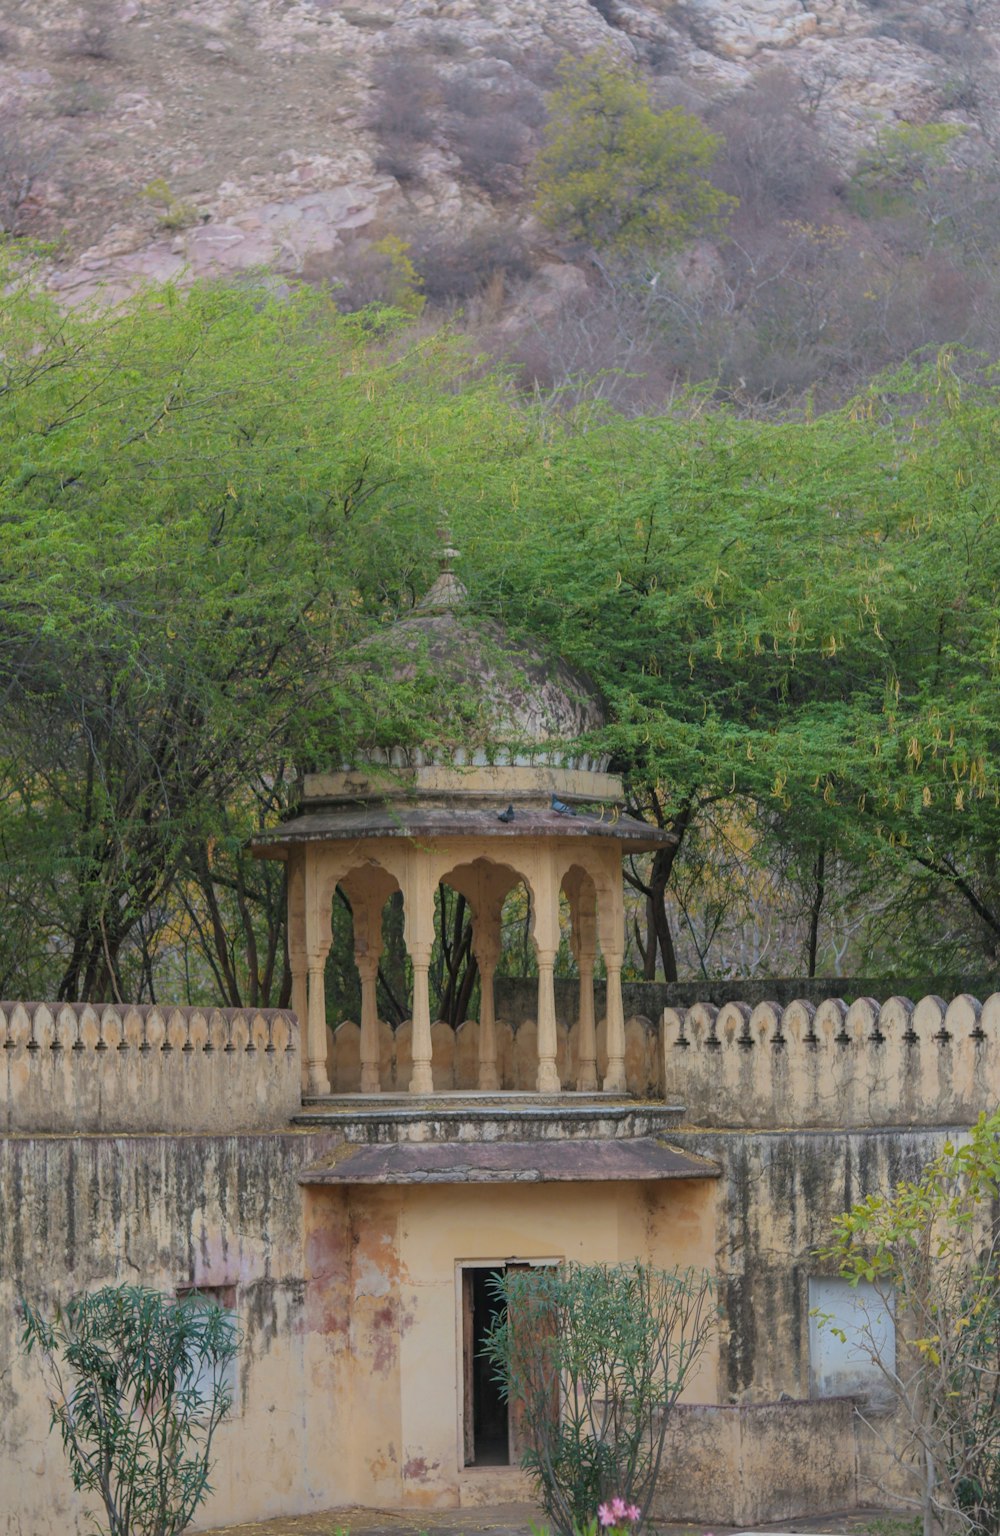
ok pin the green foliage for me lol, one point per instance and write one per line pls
(210, 502)
(898, 165)
(174, 212)
(206, 500)
(595, 1357)
(799, 619)
(618, 173)
(136, 1388)
(403, 282)
(929, 1248)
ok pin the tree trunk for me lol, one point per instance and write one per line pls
(649, 953)
(663, 863)
(816, 908)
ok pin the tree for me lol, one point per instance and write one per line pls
(615, 171)
(799, 620)
(209, 502)
(136, 1384)
(929, 1249)
(596, 1357)
(206, 500)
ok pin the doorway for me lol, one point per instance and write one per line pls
(487, 1416)
(492, 1427)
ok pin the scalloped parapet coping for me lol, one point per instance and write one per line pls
(68, 1067)
(891, 1063)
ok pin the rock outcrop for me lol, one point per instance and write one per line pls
(153, 138)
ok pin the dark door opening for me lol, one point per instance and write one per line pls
(487, 1418)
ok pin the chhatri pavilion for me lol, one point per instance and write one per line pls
(524, 806)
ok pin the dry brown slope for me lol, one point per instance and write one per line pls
(256, 115)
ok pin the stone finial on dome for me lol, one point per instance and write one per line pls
(447, 591)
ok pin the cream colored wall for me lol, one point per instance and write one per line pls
(403, 1297)
(895, 1063)
(81, 1067)
(166, 1211)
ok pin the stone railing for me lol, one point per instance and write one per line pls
(455, 1056)
(102, 1067)
(893, 1063)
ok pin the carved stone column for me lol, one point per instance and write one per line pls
(422, 1073)
(319, 936)
(611, 917)
(545, 931)
(579, 889)
(418, 915)
(367, 890)
(371, 1077)
(586, 1073)
(614, 1081)
(297, 954)
(486, 947)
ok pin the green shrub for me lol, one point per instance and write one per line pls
(136, 1385)
(595, 1356)
(616, 172)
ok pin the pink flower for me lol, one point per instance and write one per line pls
(616, 1513)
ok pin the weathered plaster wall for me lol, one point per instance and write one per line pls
(391, 1259)
(782, 1460)
(349, 1372)
(84, 1067)
(79, 1212)
(349, 1296)
(779, 1194)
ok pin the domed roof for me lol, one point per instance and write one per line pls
(497, 700)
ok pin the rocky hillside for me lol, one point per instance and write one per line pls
(146, 137)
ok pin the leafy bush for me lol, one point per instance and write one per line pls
(617, 173)
(174, 212)
(379, 273)
(596, 1356)
(135, 1384)
(891, 175)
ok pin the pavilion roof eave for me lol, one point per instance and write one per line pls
(539, 1161)
(381, 821)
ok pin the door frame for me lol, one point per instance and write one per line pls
(461, 1265)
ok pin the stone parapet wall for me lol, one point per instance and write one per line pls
(100, 1067)
(891, 1063)
(455, 1063)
